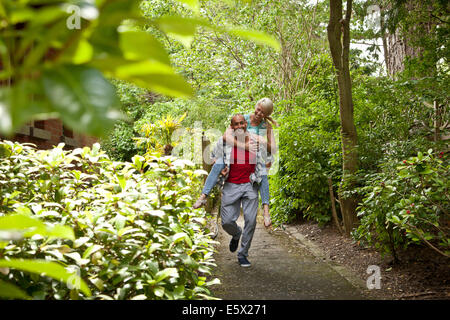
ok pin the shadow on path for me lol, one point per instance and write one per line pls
(281, 270)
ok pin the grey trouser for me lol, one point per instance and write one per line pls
(233, 195)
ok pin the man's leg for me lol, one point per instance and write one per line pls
(250, 208)
(230, 209)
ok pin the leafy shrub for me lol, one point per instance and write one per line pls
(18, 226)
(309, 153)
(159, 136)
(408, 202)
(136, 236)
(120, 144)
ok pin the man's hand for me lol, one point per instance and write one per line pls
(224, 171)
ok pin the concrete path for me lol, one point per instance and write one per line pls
(282, 269)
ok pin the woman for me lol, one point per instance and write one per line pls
(258, 123)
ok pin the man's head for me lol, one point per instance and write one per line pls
(238, 124)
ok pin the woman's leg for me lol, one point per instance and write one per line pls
(265, 195)
(210, 182)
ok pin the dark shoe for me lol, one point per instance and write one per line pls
(244, 262)
(234, 244)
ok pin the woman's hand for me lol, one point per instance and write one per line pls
(253, 143)
(229, 131)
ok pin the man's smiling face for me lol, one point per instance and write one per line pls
(239, 125)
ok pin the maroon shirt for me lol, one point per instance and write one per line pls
(242, 165)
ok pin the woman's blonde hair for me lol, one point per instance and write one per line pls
(267, 106)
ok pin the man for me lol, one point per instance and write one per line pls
(240, 189)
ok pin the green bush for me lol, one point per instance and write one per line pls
(120, 144)
(309, 154)
(407, 203)
(135, 234)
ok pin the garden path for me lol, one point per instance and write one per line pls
(282, 269)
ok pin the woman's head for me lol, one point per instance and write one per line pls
(263, 109)
(264, 105)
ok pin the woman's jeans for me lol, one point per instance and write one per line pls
(213, 175)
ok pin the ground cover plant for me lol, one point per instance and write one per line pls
(134, 234)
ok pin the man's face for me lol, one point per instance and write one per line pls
(239, 125)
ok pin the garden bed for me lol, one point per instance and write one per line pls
(421, 274)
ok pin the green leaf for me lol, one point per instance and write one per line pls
(256, 36)
(114, 12)
(181, 236)
(139, 297)
(200, 172)
(140, 45)
(159, 291)
(168, 272)
(193, 4)
(122, 182)
(80, 241)
(10, 291)
(179, 28)
(49, 269)
(82, 53)
(91, 250)
(171, 85)
(2, 11)
(16, 108)
(403, 173)
(85, 100)
(76, 256)
(213, 282)
(24, 223)
(98, 283)
(183, 29)
(143, 68)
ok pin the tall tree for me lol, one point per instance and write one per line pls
(339, 39)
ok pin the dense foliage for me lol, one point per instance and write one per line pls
(407, 202)
(136, 236)
(395, 116)
(191, 50)
(61, 54)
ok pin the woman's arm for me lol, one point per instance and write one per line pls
(271, 145)
(229, 138)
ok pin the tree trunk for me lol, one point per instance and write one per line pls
(398, 49)
(333, 206)
(339, 40)
(384, 38)
(398, 45)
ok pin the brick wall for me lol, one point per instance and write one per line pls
(46, 134)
